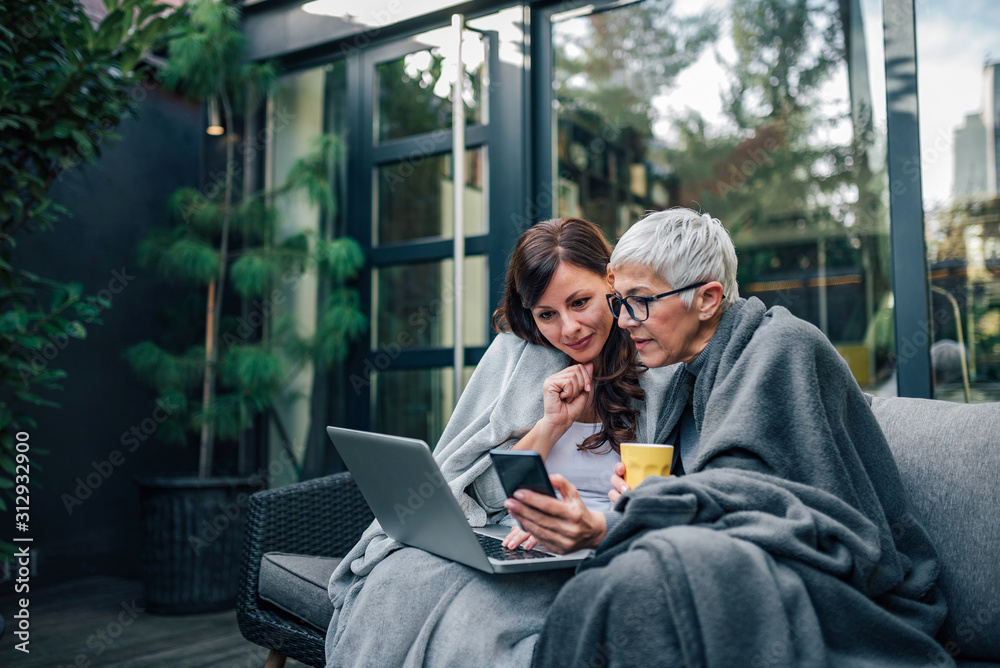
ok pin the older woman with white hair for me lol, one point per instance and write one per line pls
(786, 538)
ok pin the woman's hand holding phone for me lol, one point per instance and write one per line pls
(521, 470)
(561, 525)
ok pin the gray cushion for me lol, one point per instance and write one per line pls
(949, 459)
(297, 584)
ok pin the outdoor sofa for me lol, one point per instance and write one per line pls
(948, 455)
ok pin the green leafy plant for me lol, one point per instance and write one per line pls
(222, 238)
(65, 85)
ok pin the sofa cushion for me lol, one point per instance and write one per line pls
(297, 584)
(949, 459)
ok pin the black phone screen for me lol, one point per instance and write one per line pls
(521, 469)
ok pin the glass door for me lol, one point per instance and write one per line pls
(403, 381)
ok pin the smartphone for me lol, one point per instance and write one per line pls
(521, 469)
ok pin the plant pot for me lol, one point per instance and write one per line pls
(192, 539)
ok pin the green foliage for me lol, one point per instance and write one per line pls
(255, 367)
(341, 321)
(254, 273)
(165, 371)
(308, 172)
(205, 56)
(254, 218)
(342, 258)
(65, 85)
(188, 206)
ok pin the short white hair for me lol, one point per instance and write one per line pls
(683, 247)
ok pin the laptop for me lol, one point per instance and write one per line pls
(411, 500)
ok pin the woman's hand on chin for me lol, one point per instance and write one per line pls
(566, 395)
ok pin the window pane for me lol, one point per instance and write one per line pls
(959, 97)
(415, 198)
(752, 114)
(414, 304)
(414, 92)
(415, 403)
(303, 105)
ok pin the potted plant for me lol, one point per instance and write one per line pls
(215, 376)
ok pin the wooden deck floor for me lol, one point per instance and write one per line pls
(74, 624)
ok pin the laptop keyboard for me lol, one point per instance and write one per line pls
(495, 550)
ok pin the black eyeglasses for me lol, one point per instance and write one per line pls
(638, 307)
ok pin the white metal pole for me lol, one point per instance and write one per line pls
(458, 188)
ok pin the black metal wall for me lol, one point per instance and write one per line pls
(84, 505)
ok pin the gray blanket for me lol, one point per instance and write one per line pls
(789, 543)
(500, 404)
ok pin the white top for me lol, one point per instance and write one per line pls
(590, 471)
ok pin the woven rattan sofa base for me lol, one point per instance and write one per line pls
(323, 517)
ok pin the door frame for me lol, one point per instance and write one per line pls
(506, 187)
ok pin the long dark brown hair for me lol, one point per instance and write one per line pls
(537, 254)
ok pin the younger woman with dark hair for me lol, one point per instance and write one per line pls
(554, 297)
(564, 260)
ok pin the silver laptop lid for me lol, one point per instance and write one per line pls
(402, 483)
(398, 477)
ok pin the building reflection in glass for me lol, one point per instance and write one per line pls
(959, 89)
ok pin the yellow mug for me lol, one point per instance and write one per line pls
(645, 459)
